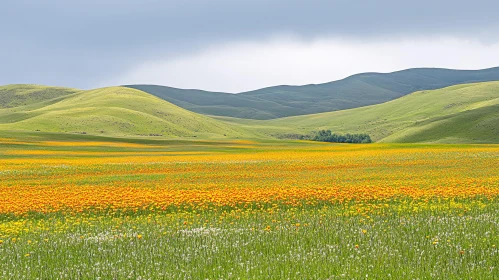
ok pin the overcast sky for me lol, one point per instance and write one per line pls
(238, 45)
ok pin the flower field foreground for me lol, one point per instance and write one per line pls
(248, 210)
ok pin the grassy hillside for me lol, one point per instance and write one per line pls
(458, 114)
(114, 111)
(282, 101)
(466, 113)
(21, 95)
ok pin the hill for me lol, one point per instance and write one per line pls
(114, 111)
(466, 113)
(21, 95)
(352, 92)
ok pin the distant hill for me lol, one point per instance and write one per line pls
(115, 111)
(21, 95)
(352, 92)
(466, 113)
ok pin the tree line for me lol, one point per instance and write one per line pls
(328, 136)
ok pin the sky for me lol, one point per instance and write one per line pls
(238, 45)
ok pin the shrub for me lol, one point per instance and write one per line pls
(327, 136)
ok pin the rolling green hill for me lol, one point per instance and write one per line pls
(21, 95)
(352, 92)
(466, 113)
(114, 111)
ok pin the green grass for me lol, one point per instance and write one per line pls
(458, 114)
(22, 95)
(215, 246)
(115, 111)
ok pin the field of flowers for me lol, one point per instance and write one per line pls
(247, 210)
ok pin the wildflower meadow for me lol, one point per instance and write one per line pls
(247, 210)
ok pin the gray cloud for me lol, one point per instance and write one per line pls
(83, 43)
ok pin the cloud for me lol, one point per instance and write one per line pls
(82, 43)
(243, 66)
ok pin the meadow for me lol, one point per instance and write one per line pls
(240, 209)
